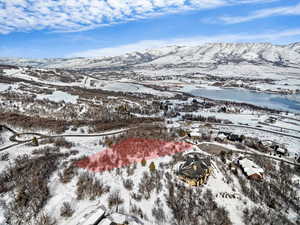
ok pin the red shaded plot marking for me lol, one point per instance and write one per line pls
(129, 151)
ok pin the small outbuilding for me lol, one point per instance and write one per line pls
(221, 137)
(281, 151)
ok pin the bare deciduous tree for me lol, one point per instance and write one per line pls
(66, 210)
(114, 199)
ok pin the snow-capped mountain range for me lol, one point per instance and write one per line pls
(206, 55)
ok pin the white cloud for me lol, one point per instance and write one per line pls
(76, 15)
(290, 10)
(148, 44)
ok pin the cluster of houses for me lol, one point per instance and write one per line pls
(225, 109)
(195, 169)
(221, 136)
(273, 146)
(267, 145)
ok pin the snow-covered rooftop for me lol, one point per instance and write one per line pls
(106, 221)
(250, 167)
(222, 136)
(94, 218)
(119, 219)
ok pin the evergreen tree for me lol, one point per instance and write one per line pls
(152, 167)
(35, 141)
(143, 162)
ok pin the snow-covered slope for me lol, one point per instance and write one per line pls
(295, 46)
(207, 55)
(227, 53)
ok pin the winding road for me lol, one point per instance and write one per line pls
(42, 136)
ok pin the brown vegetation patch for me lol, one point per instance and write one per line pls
(60, 126)
(213, 148)
(28, 178)
(89, 187)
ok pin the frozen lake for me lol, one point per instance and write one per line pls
(273, 101)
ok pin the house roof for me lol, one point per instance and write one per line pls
(282, 150)
(194, 167)
(94, 218)
(267, 142)
(105, 221)
(222, 136)
(195, 133)
(249, 167)
(118, 218)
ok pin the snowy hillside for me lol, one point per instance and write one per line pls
(207, 55)
(295, 47)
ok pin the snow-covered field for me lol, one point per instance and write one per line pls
(134, 88)
(58, 96)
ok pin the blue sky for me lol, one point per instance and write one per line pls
(89, 28)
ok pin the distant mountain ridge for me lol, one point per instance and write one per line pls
(206, 55)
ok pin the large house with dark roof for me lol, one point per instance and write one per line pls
(195, 169)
